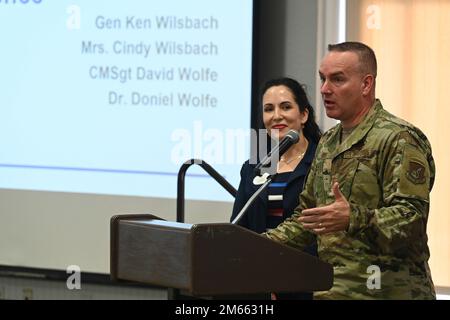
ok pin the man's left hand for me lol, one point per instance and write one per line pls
(332, 218)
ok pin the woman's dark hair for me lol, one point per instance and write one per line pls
(311, 130)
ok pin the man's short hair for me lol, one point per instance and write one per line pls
(367, 58)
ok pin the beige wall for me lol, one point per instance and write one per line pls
(412, 41)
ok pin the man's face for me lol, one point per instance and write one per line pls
(342, 85)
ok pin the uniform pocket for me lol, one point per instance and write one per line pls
(360, 182)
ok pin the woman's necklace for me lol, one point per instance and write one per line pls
(300, 156)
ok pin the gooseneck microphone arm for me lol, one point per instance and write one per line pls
(251, 200)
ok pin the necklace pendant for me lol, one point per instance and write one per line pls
(294, 158)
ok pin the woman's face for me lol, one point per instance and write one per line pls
(281, 113)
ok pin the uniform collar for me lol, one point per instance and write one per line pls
(359, 132)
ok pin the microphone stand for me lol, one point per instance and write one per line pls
(252, 199)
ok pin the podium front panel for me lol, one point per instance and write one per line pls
(155, 253)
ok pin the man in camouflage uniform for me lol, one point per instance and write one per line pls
(366, 199)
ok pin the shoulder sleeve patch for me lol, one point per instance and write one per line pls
(416, 172)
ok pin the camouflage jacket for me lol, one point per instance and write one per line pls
(386, 171)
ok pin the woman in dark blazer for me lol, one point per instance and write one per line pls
(285, 107)
(254, 219)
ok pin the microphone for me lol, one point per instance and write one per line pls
(290, 139)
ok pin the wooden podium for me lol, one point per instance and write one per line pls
(207, 260)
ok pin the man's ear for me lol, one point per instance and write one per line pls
(368, 84)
